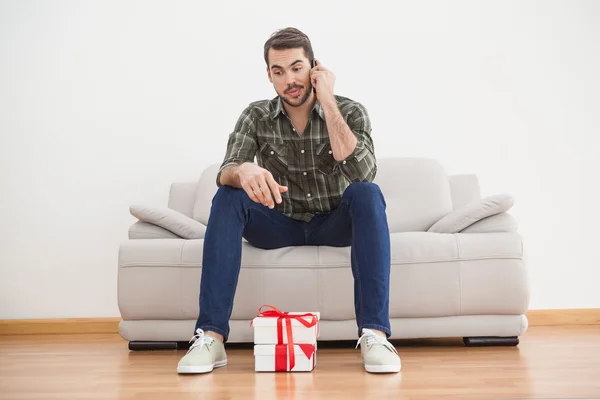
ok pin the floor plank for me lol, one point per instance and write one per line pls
(550, 363)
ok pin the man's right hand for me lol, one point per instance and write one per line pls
(259, 184)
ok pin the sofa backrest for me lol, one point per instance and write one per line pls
(417, 191)
(182, 196)
(207, 187)
(465, 189)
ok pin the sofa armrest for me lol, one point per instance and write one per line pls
(503, 222)
(471, 213)
(171, 220)
(146, 230)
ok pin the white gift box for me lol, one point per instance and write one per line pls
(265, 329)
(272, 358)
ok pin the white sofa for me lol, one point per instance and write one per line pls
(471, 283)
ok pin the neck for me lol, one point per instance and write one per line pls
(302, 111)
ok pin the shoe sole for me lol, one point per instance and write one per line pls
(194, 369)
(381, 369)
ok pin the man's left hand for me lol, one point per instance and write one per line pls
(323, 80)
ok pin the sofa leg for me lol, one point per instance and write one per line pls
(491, 341)
(142, 345)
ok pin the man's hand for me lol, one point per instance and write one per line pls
(259, 184)
(323, 80)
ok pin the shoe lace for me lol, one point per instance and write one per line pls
(200, 339)
(373, 338)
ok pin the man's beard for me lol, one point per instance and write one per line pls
(302, 100)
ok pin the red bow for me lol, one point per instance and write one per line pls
(274, 312)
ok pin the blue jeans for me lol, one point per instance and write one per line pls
(359, 221)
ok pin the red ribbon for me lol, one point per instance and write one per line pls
(280, 356)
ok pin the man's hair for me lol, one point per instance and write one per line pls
(289, 38)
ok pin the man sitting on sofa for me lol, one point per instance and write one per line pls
(312, 185)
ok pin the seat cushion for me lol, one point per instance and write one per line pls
(436, 275)
(432, 275)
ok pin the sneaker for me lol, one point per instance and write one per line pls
(204, 354)
(379, 355)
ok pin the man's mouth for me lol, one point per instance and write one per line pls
(294, 92)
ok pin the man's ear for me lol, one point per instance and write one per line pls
(269, 75)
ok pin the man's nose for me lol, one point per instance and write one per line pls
(291, 80)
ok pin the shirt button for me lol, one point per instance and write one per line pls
(308, 195)
(304, 173)
(302, 151)
(344, 162)
(330, 152)
(272, 152)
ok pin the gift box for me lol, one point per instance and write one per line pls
(274, 357)
(285, 341)
(266, 328)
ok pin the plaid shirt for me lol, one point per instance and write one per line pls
(304, 163)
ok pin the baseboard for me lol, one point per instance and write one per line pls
(582, 316)
(59, 326)
(586, 316)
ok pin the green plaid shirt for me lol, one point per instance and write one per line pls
(304, 163)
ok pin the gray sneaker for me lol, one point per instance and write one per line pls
(204, 354)
(378, 354)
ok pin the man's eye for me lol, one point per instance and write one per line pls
(297, 69)
(277, 73)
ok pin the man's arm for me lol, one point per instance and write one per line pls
(241, 147)
(239, 170)
(343, 140)
(351, 142)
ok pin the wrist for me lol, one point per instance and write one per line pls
(230, 175)
(235, 174)
(329, 104)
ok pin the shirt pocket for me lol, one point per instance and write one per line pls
(275, 158)
(326, 163)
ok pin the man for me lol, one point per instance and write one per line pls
(312, 185)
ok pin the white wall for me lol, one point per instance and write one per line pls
(106, 103)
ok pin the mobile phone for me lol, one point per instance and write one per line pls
(314, 64)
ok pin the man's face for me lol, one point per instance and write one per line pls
(289, 71)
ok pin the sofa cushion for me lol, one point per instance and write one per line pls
(432, 275)
(416, 191)
(472, 212)
(464, 188)
(205, 191)
(170, 220)
(146, 230)
(182, 196)
(503, 222)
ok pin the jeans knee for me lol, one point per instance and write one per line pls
(364, 195)
(229, 196)
(363, 191)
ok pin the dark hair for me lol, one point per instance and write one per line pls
(289, 38)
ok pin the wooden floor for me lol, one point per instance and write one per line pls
(550, 362)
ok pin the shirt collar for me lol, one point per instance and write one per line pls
(278, 108)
